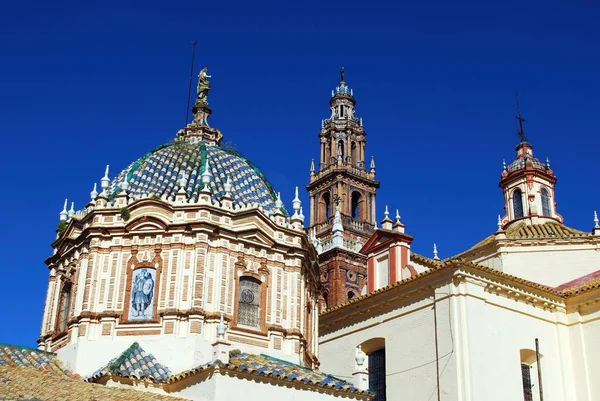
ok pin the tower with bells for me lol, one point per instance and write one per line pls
(342, 199)
(528, 186)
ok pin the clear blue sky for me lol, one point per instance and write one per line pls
(87, 84)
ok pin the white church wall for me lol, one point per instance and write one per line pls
(410, 344)
(498, 329)
(551, 265)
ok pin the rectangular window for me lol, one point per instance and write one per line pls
(526, 375)
(377, 374)
(249, 302)
(63, 312)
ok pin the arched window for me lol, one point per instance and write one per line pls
(249, 302)
(356, 203)
(63, 308)
(546, 209)
(529, 364)
(518, 203)
(326, 206)
(354, 153)
(341, 149)
(375, 350)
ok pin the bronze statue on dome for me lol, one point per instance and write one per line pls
(203, 85)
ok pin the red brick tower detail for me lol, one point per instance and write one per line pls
(342, 190)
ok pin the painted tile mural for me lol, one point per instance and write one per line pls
(142, 294)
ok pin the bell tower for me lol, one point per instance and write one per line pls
(342, 198)
(528, 186)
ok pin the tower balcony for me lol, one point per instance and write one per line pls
(336, 166)
(349, 223)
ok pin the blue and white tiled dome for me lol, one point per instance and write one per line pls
(159, 173)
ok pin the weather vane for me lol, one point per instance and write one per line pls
(520, 132)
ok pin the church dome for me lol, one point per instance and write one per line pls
(164, 170)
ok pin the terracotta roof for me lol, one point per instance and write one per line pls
(524, 231)
(264, 365)
(27, 373)
(135, 363)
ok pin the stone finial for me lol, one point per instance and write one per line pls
(64, 215)
(72, 210)
(206, 175)
(435, 252)
(221, 347)
(373, 164)
(398, 226)
(359, 356)
(499, 223)
(360, 121)
(386, 213)
(182, 181)
(312, 167)
(221, 328)
(596, 230)
(94, 193)
(547, 163)
(397, 216)
(296, 203)
(360, 376)
(278, 202)
(124, 185)
(504, 169)
(105, 181)
(322, 123)
(227, 186)
(301, 215)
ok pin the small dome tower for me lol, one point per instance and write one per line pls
(528, 185)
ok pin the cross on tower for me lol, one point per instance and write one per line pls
(521, 120)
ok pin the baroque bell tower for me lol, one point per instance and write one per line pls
(342, 199)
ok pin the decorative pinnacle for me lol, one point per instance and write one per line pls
(124, 185)
(386, 213)
(296, 203)
(398, 217)
(63, 215)
(360, 121)
(94, 193)
(301, 215)
(435, 252)
(596, 225)
(278, 202)
(72, 210)
(227, 186)
(504, 166)
(499, 223)
(206, 175)
(182, 182)
(312, 167)
(373, 164)
(547, 163)
(360, 356)
(221, 328)
(322, 123)
(105, 181)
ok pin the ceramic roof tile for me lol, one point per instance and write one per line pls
(136, 363)
(269, 366)
(27, 373)
(159, 172)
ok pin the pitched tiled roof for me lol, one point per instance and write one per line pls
(159, 173)
(524, 231)
(264, 365)
(31, 374)
(136, 363)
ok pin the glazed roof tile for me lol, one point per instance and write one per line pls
(264, 365)
(27, 373)
(136, 363)
(159, 173)
(524, 231)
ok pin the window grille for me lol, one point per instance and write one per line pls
(526, 375)
(546, 210)
(377, 374)
(249, 302)
(518, 203)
